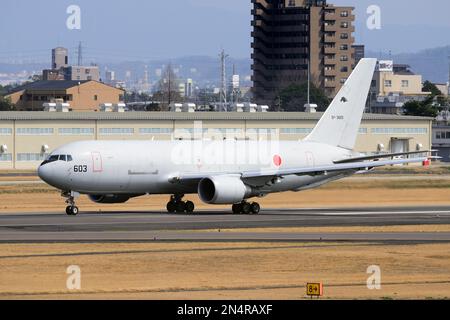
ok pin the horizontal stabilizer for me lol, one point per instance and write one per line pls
(381, 156)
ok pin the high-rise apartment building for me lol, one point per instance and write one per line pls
(289, 34)
(60, 58)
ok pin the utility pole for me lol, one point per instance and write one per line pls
(223, 88)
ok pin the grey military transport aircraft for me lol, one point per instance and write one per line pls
(223, 171)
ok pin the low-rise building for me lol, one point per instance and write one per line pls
(83, 73)
(393, 85)
(81, 95)
(26, 138)
(444, 88)
(441, 141)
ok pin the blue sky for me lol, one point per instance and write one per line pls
(137, 29)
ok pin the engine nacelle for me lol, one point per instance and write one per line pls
(222, 190)
(111, 198)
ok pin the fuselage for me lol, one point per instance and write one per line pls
(146, 167)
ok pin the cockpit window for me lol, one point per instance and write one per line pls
(58, 157)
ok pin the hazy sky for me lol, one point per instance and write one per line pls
(149, 29)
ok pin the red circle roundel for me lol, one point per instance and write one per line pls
(277, 161)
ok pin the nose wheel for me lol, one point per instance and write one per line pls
(177, 205)
(71, 209)
(246, 208)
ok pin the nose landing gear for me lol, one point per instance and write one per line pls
(176, 204)
(71, 209)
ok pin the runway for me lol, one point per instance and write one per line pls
(157, 226)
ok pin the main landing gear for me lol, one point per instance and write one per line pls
(246, 208)
(71, 209)
(177, 205)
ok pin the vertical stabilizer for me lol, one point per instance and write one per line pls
(340, 124)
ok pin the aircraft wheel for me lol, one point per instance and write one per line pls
(72, 210)
(246, 208)
(180, 207)
(171, 208)
(255, 208)
(190, 207)
(237, 208)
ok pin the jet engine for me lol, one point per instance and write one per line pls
(112, 198)
(223, 190)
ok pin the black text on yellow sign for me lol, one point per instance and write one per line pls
(314, 289)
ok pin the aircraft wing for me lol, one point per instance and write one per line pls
(381, 156)
(318, 170)
(353, 166)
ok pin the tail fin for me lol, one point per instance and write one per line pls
(340, 124)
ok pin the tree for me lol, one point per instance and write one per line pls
(430, 87)
(168, 88)
(425, 108)
(5, 104)
(294, 97)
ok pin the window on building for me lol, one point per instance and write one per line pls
(34, 131)
(5, 157)
(155, 131)
(418, 131)
(343, 80)
(344, 58)
(405, 83)
(374, 83)
(344, 14)
(95, 97)
(388, 83)
(344, 35)
(363, 131)
(344, 24)
(5, 131)
(76, 131)
(263, 131)
(296, 131)
(344, 47)
(225, 131)
(116, 131)
(29, 157)
(344, 69)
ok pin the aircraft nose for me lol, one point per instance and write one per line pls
(45, 172)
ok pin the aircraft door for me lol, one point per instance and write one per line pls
(97, 163)
(310, 162)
